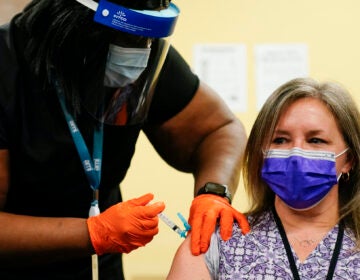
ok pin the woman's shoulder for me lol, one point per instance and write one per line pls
(263, 229)
(263, 221)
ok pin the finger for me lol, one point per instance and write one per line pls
(195, 224)
(146, 224)
(142, 200)
(242, 221)
(226, 224)
(137, 240)
(153, 210)
(208, 228)
(139, 234)
(140, 241)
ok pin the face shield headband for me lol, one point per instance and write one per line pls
(146, 23)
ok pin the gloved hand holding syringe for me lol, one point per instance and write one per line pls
(138, 224)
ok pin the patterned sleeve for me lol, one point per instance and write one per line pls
(212, 256)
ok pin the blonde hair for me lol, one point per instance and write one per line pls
(347, 116)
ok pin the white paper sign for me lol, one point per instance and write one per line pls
(223, 67)
(277, 64)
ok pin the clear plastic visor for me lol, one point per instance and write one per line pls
(129, 105)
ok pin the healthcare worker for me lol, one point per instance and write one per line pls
(79, 80)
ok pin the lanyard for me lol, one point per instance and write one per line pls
(290, 256)
(92, 167)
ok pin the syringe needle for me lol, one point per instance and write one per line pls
(171, 224)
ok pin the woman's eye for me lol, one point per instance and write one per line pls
(279, 140)
(316, 140)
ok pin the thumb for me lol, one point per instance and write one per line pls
(142, 200)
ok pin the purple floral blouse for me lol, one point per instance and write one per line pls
(261, 255)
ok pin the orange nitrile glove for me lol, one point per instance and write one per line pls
(204, 213)
(125, 226)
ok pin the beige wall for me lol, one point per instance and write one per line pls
(9, 7)
(328, 27)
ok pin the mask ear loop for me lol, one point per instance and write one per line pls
(341, 153)
(342, 175)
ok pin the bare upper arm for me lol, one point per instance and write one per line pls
(187, 266)
(205, 114)
(4, 176)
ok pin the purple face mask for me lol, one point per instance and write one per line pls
(301, 178)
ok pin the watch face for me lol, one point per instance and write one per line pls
(215, 188)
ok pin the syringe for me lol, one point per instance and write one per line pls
(172, 225)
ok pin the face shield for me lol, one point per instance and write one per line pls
(134, 61)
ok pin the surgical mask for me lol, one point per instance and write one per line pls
(301, 178)
(125, 65)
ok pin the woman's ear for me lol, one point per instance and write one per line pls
(350, 162)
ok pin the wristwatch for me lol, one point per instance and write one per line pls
(215, 188)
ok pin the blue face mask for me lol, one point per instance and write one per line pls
(125, 65)
(301, 178)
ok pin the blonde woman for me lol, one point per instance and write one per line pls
(301, 171)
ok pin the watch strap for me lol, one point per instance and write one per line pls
(217, 189)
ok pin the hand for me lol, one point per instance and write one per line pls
(204, 212)
(125, 226)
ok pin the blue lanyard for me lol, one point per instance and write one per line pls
(92, 167)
